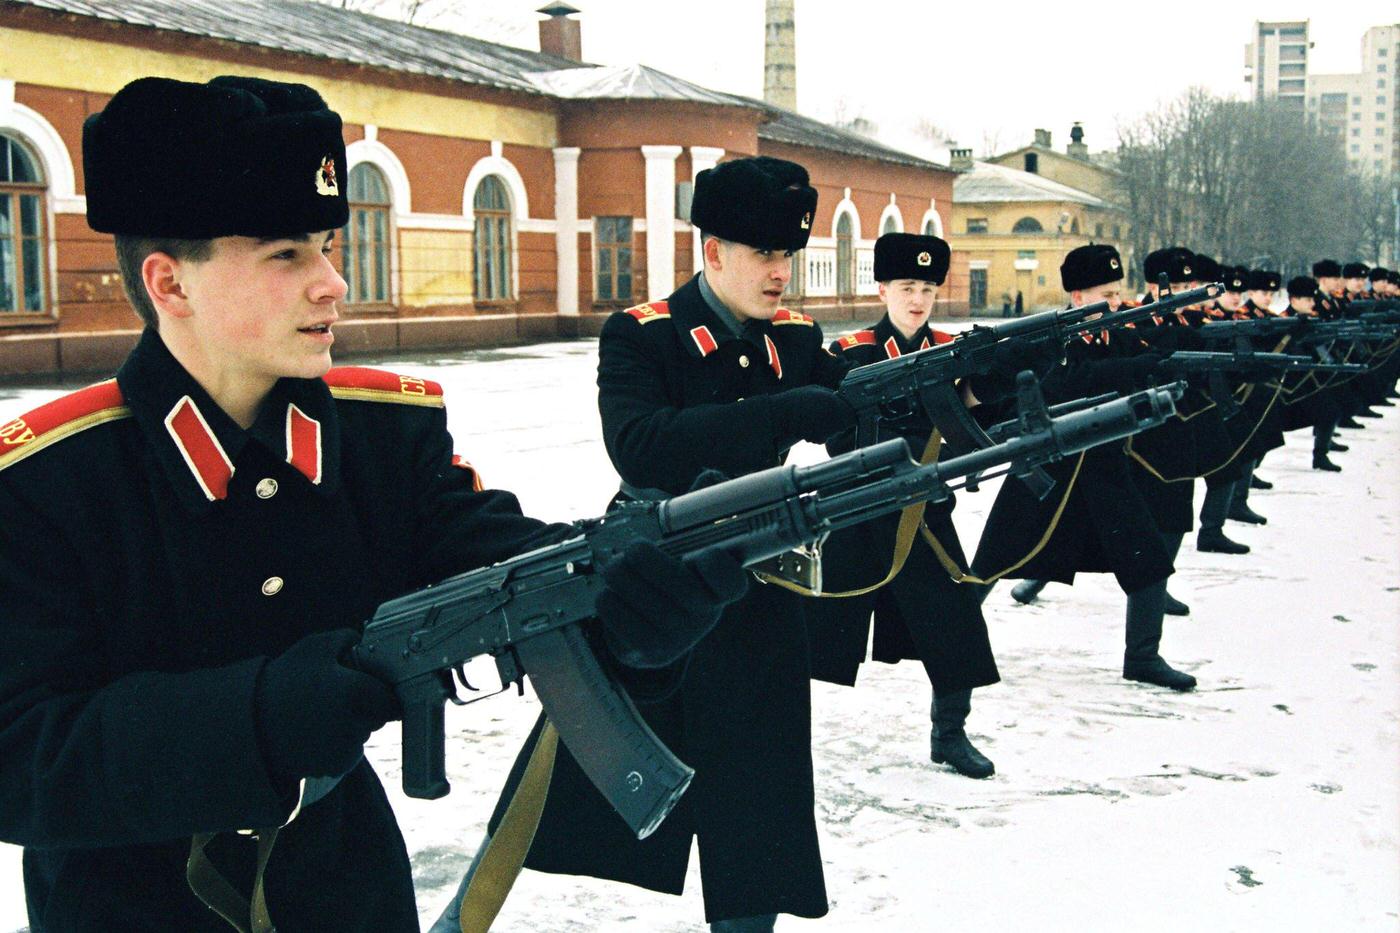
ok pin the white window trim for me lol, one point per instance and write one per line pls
(60, 195)
(933, 215)
(375, 153)
(496, 164)
(891, 210)
(846, 206)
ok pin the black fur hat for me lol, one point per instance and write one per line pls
(910, 256)
(235, 157)
(1087, 266)
(761, 202)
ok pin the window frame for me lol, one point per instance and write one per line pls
(613, 248)
(383, 211)
(14, 191)
(502, 221)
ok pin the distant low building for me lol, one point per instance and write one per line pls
(1015, 228)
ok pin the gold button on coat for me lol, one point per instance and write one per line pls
(266, 488)
(744, 362)
(272, 586)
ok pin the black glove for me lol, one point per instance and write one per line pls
(654, 608)
(1009, 357)
(812, 413)
(313, 713)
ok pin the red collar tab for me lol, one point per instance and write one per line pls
(304, 443)
(892, 348)
(201, 450)
(704, 340)
(940, 337)
(773, 360)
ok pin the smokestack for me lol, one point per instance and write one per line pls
(1042, 138)
(780, 55)
(961, 160)
(559, 35)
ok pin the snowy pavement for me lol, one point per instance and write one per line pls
(1267, 799)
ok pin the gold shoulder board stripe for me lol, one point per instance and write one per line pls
(354, 394)
(16, 447)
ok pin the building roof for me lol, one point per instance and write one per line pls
(797, 130)
(1096, 159)
(319, 30)
(630, 82)
(991, 182)
(323, 31)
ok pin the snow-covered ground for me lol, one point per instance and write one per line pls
(1267, 799)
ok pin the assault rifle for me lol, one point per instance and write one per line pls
(526, 612)
(926, 377)
(1255, 366)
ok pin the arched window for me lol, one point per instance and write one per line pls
(23, 233)
(491, 205)
(1028, 225)
(366, 236)
(845, 258)
(928, 228)
(1074, 226)
(890, 226)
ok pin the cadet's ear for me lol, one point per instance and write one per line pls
(713, 255)
(160, 273)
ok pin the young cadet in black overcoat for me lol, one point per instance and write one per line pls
(1105, 526)
(188, 549)
(719, 377)
(1309, 402)
(922, 614)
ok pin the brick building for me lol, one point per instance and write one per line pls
(497, 194)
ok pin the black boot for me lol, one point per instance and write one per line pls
(1320, 462)
(1350, 422)
(1383, 403)
(1257, 483)
(1335, 448)
(1240, 512)
(948, 738)
(1368, 412)
(1026, 591)
(1213, 540)
(1216, 506)
(1143, 638)
(1173, 606)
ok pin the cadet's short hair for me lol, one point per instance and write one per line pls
(131, 255)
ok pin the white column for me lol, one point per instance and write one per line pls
(661, 214)
(566, 228)
(701, 158)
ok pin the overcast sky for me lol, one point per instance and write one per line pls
(980, 70)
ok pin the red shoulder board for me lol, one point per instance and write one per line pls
(940, 337)
(63, 417)
(647, 313)
(362, 384)
(854, 340)
(784, 316)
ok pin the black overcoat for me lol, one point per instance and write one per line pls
(1105, 526)
(678, 395)
(153, 555)
(922, 614)
(1163, 460)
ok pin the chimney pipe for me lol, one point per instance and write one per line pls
(780, 55)
(559, 35)
(961, 160)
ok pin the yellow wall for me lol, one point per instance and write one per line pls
(1056, 166)
(435, 267)
(101, 67)
(1000, 248)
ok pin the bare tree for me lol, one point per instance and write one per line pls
(1240, 181)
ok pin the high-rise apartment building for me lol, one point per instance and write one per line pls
(1276, 62)
(1361, 110)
